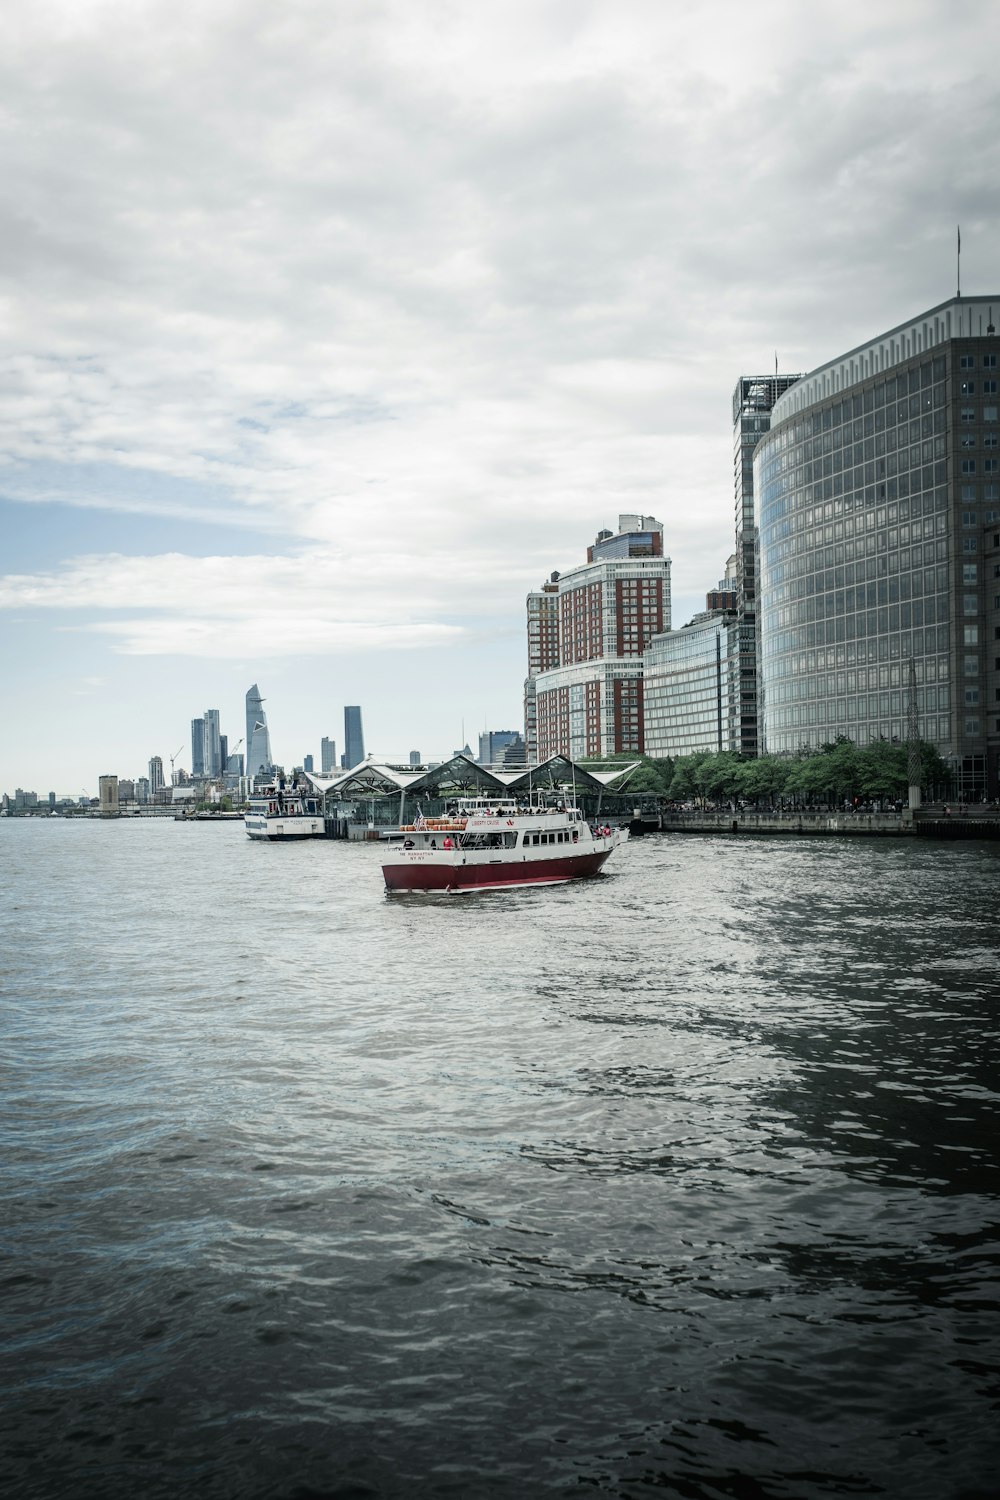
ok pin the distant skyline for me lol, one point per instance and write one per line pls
(330, 331)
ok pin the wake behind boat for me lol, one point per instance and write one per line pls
(485, 844)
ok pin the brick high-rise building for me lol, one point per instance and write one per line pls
(584, 696)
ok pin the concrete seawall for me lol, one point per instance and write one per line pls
(930, 823)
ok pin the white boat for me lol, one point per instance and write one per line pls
(284, 810)
(486, 844)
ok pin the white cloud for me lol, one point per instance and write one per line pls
(430, 293)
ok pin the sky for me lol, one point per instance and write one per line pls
(328, 330)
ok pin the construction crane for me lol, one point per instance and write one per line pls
(172, 759)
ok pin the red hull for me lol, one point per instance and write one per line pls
(422, 875)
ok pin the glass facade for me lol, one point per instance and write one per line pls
(871, 504)
(354, 739)
(258, 742)
(692, 688)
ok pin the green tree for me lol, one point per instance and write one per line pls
(884, 773)
(683, 784)
(762, 779)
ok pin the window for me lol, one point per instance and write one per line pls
(968, 388)
(989, 387)
(970, 604)
(968, 414)
(968, 544)
(989, 413)
(972, 724)
(970, 518)
(989, 361)
(989, 466)
(966, 362)
(990, 440)
(971, 635)
(971, 697)
(971, 666)
(969, 575)
(968, 439)
(968, 465)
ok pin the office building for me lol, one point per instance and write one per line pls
(753, 401)
(354, 739)
(589, 700)
(307, 763)
(258, 740)
(692, 687)
(878, 500)
(327, 756)
(415, 758)
(494, 744)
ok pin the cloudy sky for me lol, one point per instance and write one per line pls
(329, 329)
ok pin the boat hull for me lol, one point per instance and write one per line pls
(278, 829)
(435, 872)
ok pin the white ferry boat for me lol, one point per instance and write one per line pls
(284, 810)
(485, 844)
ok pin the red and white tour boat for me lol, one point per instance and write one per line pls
(486, 844)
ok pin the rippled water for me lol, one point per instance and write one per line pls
(680, 1181)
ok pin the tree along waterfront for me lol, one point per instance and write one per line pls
(838, 772)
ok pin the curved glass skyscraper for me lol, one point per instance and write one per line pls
(878, 507)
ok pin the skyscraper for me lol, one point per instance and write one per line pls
(753, 400)
(155, 775)
(354, 739)
(258, 741)
(327, 756)
(213, 743)
(198, 747)
(878, 500)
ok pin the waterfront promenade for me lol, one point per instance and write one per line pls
(963, 821)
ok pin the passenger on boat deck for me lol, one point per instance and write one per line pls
(407, 843)
(448, 844)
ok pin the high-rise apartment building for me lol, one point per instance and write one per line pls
(589, 701)
(753, 400)
(258, 741)
(354, 739)
(213, 743)
(543, 651)
(878, 502)
(198, 747)
(155, 775)
(327, 756)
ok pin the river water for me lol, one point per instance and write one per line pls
(682, 1181)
